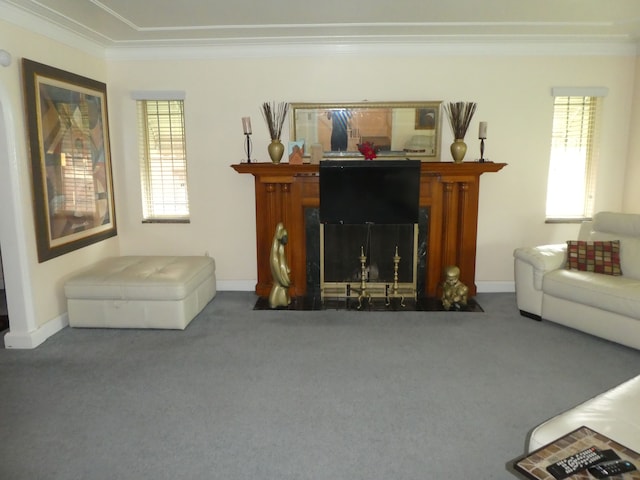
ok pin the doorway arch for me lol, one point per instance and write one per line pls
(18, 286)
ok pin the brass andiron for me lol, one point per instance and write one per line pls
(363, 283)
(394, 288)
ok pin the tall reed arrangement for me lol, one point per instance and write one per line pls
(274, 115)
(460, 115)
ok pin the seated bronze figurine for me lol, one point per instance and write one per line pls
(454, 291)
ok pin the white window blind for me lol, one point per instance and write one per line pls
(572, 166)
(163, 159)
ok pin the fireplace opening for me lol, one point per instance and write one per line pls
(368, 261)
(342, 247)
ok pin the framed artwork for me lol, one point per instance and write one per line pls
(296, 152)
(68, 131)
(426, 118)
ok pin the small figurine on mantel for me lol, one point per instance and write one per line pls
(279, 295)
(455, 292)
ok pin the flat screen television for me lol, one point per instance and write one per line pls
(369, 191)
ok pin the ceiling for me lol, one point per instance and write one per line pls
(139, 23)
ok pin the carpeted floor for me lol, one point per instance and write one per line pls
(273, 394)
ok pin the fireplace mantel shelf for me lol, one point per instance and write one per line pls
(427, 168)
(449, 190)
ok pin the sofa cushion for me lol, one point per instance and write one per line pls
(597, 256)
(629, 251)
(141, 278)
(620, 295)
(627, 224)
(617, 226)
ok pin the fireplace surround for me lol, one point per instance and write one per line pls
(448, 191)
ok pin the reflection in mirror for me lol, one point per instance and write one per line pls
(397, 129)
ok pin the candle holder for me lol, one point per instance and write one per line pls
(482, 160)
(247, 146)
(246, 128)
(482, 135)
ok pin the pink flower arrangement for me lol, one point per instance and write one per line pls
(368, 150)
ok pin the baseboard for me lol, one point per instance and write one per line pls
(496, 287)
(236, 285)
(28, 340)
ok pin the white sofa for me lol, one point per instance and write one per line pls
(614, 413)
(603, 305)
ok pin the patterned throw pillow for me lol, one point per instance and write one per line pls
(598, 257)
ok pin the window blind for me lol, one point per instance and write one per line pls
(163, 159)
(571, 185)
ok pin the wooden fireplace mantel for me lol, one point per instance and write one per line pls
(449, 190)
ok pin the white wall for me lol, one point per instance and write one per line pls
(513, 96)
(631, 190)
(38, 285)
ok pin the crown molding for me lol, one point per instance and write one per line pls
(320, 46)
(46, 28)
(376, 47)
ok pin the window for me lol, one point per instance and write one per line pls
(163, 158)
(572, 164)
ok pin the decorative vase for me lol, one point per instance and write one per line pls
(458, 150)
(275, 149)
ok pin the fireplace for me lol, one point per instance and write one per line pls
(368, 229)
(449, 195)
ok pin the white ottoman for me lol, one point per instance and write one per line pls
(614, 413)
(141, 292)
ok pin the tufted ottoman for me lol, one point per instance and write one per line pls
(614, 413)
(141, 292)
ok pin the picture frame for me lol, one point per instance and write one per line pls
(426, 118)
(68, 130)
(296, 152)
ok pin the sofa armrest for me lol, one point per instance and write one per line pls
(545, 257)
(531, 263)
(542, 259)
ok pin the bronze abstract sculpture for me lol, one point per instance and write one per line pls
(455, 292)
(279, 295)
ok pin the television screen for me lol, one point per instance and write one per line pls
(369, 191)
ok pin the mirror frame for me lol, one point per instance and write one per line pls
(412, 123)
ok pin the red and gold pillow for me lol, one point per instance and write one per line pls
(596, 256)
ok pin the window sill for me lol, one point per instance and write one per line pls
(166, 220)
(567, 220)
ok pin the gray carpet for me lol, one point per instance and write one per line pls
(246, 394)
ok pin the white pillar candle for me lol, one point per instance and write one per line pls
(482, 130)
(246, 125)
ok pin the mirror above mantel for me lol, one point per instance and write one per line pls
(397, 129)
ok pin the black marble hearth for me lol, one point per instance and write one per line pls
(377, 305)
